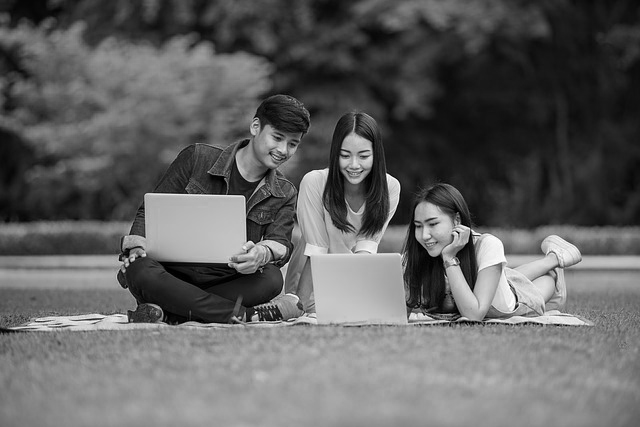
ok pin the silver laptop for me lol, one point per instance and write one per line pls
(194, 228)
(363, 289)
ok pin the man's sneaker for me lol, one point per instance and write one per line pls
(566, 253)
(146, 313)
(282, 307)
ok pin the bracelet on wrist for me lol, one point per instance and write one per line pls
(265, 258)
(272, 256)
(451, 262)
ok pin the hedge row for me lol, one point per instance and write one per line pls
(590, 240)
(92, 237)
(62, 238)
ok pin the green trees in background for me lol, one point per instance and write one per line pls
(103, 122)
(527, 106)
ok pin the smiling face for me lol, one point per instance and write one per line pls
(272, 147)
(433, 228)
(356, 159)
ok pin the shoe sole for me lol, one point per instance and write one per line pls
(569, 248)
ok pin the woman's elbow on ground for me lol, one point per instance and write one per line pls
(478, 314)
(477, 310)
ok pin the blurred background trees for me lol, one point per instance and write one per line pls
(104, 121)
(529, 107)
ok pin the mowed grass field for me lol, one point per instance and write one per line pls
(462, 375)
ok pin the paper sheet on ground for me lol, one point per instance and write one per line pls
(101, 322)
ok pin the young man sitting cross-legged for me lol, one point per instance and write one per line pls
(224, 293)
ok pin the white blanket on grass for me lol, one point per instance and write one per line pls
(118, 322)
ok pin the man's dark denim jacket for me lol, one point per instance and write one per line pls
(205, 169)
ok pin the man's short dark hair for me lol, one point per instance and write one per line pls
(284, 113)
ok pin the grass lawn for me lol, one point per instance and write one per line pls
(462, 375)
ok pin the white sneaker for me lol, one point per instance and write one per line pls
(566, 253)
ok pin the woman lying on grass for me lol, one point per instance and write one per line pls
(449, 268)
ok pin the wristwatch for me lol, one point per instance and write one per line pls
(451, 262)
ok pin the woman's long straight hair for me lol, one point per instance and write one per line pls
(376, 189)
(425, 275)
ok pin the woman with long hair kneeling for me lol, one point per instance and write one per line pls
(346, 207)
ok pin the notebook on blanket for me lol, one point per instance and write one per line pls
(194, 228)
(359, 289)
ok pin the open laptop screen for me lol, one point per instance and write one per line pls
(194, 228)
(359, 288)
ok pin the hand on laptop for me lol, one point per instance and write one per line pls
(134, 253)
(249, 261)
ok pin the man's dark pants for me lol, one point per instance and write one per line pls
(205, 294)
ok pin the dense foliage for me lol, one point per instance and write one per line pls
(102, 123)
(527, 106)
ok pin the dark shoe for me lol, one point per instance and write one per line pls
(282, 307)
(146, 313)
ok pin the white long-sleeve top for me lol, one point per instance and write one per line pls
(319, 235)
